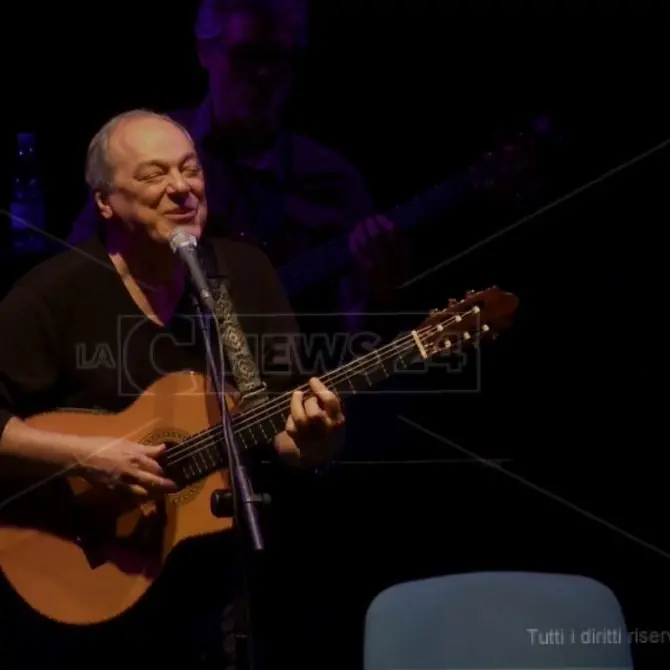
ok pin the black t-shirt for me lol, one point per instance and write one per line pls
(72, 336)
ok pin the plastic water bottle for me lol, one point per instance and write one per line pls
(27, 204)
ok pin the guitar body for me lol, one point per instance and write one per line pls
(80, 558)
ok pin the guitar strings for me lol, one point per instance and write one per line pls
(252, 416)
(210, 436)
(269, 409)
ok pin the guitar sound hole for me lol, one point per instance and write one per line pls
(170, 462)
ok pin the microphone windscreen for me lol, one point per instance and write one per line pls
(180, 239)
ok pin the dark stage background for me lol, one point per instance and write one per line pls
(413, 92)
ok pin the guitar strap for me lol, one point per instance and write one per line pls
(236, 348)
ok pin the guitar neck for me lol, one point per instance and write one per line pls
(480, 314)
(258, 425)
(317, 265)
(201, 455)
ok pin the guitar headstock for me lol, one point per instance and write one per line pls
(480, 315)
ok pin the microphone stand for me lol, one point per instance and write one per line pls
(243, 496)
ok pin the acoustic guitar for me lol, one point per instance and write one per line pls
(84, 555)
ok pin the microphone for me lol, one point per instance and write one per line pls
(185, 246)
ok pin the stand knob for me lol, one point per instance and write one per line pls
(221, 503)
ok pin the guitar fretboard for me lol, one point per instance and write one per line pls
(203, 454)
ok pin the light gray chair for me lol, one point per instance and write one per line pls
(501, 620)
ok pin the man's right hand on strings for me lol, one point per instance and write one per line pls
(117, 463)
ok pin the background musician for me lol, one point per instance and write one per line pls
(279, 189)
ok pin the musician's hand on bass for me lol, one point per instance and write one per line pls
(116, 463)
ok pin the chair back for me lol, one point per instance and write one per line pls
(497, 620)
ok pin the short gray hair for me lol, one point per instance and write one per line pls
(212, 14)
(99, 171)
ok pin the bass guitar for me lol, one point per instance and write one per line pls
(502, 174)
(84, 555)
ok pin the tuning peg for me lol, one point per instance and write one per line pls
(470, 293)
(434, 311)
(452, 302)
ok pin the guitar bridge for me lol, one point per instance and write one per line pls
(92, 550)
(130, 538)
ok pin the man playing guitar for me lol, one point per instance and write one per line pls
(96, 325)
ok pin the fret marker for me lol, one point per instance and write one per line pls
(466, 335)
